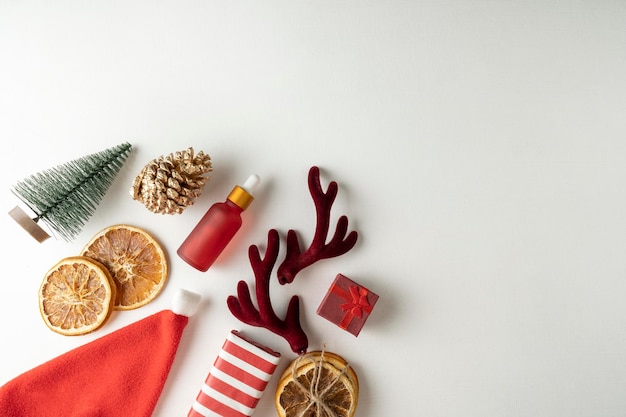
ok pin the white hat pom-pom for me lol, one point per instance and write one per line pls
(185, 303)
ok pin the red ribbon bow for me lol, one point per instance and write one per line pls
(356, 303)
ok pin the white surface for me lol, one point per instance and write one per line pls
(479, 147)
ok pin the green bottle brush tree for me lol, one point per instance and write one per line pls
(65, 197)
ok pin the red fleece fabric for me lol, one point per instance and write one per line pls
(120, 374)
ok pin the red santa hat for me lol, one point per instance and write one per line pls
(120, 374)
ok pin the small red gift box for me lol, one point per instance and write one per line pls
(347, 304)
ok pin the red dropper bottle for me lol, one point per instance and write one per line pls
(217, 227)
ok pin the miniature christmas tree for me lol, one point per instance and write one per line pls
(64, 197)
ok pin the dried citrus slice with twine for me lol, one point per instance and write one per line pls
(135, 260)
(76, 296)
(316, 384)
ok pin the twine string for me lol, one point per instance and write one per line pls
(315, 395)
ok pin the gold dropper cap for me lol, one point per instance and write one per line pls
(242, 196)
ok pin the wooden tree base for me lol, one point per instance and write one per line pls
(28, 224)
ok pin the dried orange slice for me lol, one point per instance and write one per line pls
(316, 384)
(135, 260)
(76, 296)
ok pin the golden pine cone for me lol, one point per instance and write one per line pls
(168, 184)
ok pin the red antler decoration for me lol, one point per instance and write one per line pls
(243, 308)
(295, 259)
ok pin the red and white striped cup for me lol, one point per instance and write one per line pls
(237, 379)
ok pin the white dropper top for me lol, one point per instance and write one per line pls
(251, 183)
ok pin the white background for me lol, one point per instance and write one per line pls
(479, 147)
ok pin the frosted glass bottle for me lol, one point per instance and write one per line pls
(217, 227)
